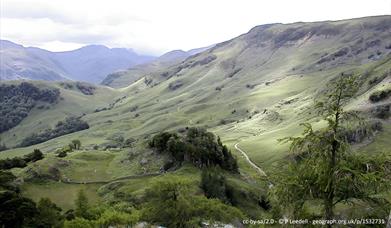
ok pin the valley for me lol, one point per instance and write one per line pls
(250, 92)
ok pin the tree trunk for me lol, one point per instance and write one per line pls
(329, 197)
(329, 194)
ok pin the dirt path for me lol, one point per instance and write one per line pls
(249, 161)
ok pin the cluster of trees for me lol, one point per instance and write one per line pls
(324, 169)
(69, 125)
(74, 145)
(214, 185)
(85, 88)
(168, 203)
(16, 101)
(171, 204)
(20, 162)
(19, 211)
(197, 146)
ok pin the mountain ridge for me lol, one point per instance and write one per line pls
(90, 63)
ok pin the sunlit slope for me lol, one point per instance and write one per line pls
(72, 102)
(252, 89)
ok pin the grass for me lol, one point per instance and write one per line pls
(61, 194)
(381, 143)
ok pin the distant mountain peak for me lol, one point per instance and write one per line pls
(8, 44)
(90, 63)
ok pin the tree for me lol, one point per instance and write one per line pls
(76, 144)
(49, 214)
(34, 156)
(82, 205)
(214, 184)
(323, 166)
(170, 203)
(6, 181)
(17, 211)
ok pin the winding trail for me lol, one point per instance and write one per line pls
(249, 161)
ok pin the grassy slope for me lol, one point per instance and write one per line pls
(283, 81)
(72, 103)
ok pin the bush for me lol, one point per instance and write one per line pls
(381, 111)
(380, 95)
(18, 162)
(34, 156)
(62, 154)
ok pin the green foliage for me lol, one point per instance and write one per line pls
(70, 125)
(36, 155)
(170, 204)
(111, 217)
(17, 211)
(18, 162)
(82, 205)
(198, 146)
(78, 223)
(16, 101)
(380, 95)
(49, 214)
(76, 144)
(62, 154)
(6, 181)
(323, 166)
(214, 185)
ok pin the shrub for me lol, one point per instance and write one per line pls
(175, 85)
(85, 88)
(381, 111)
(380, 95)
(34, 156)
(18, 162)
(62, 154)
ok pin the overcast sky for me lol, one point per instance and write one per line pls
(158, 26)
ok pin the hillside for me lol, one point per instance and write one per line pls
(245, 87)
(90, 64)
(250, 91)
(124, 78)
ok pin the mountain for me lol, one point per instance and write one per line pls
(124, 78)
(18, 62)
(91, 63)
(260, 82)
(251, 91)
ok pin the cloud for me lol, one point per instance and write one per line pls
(155, 26)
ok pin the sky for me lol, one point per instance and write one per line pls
(156, 26)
